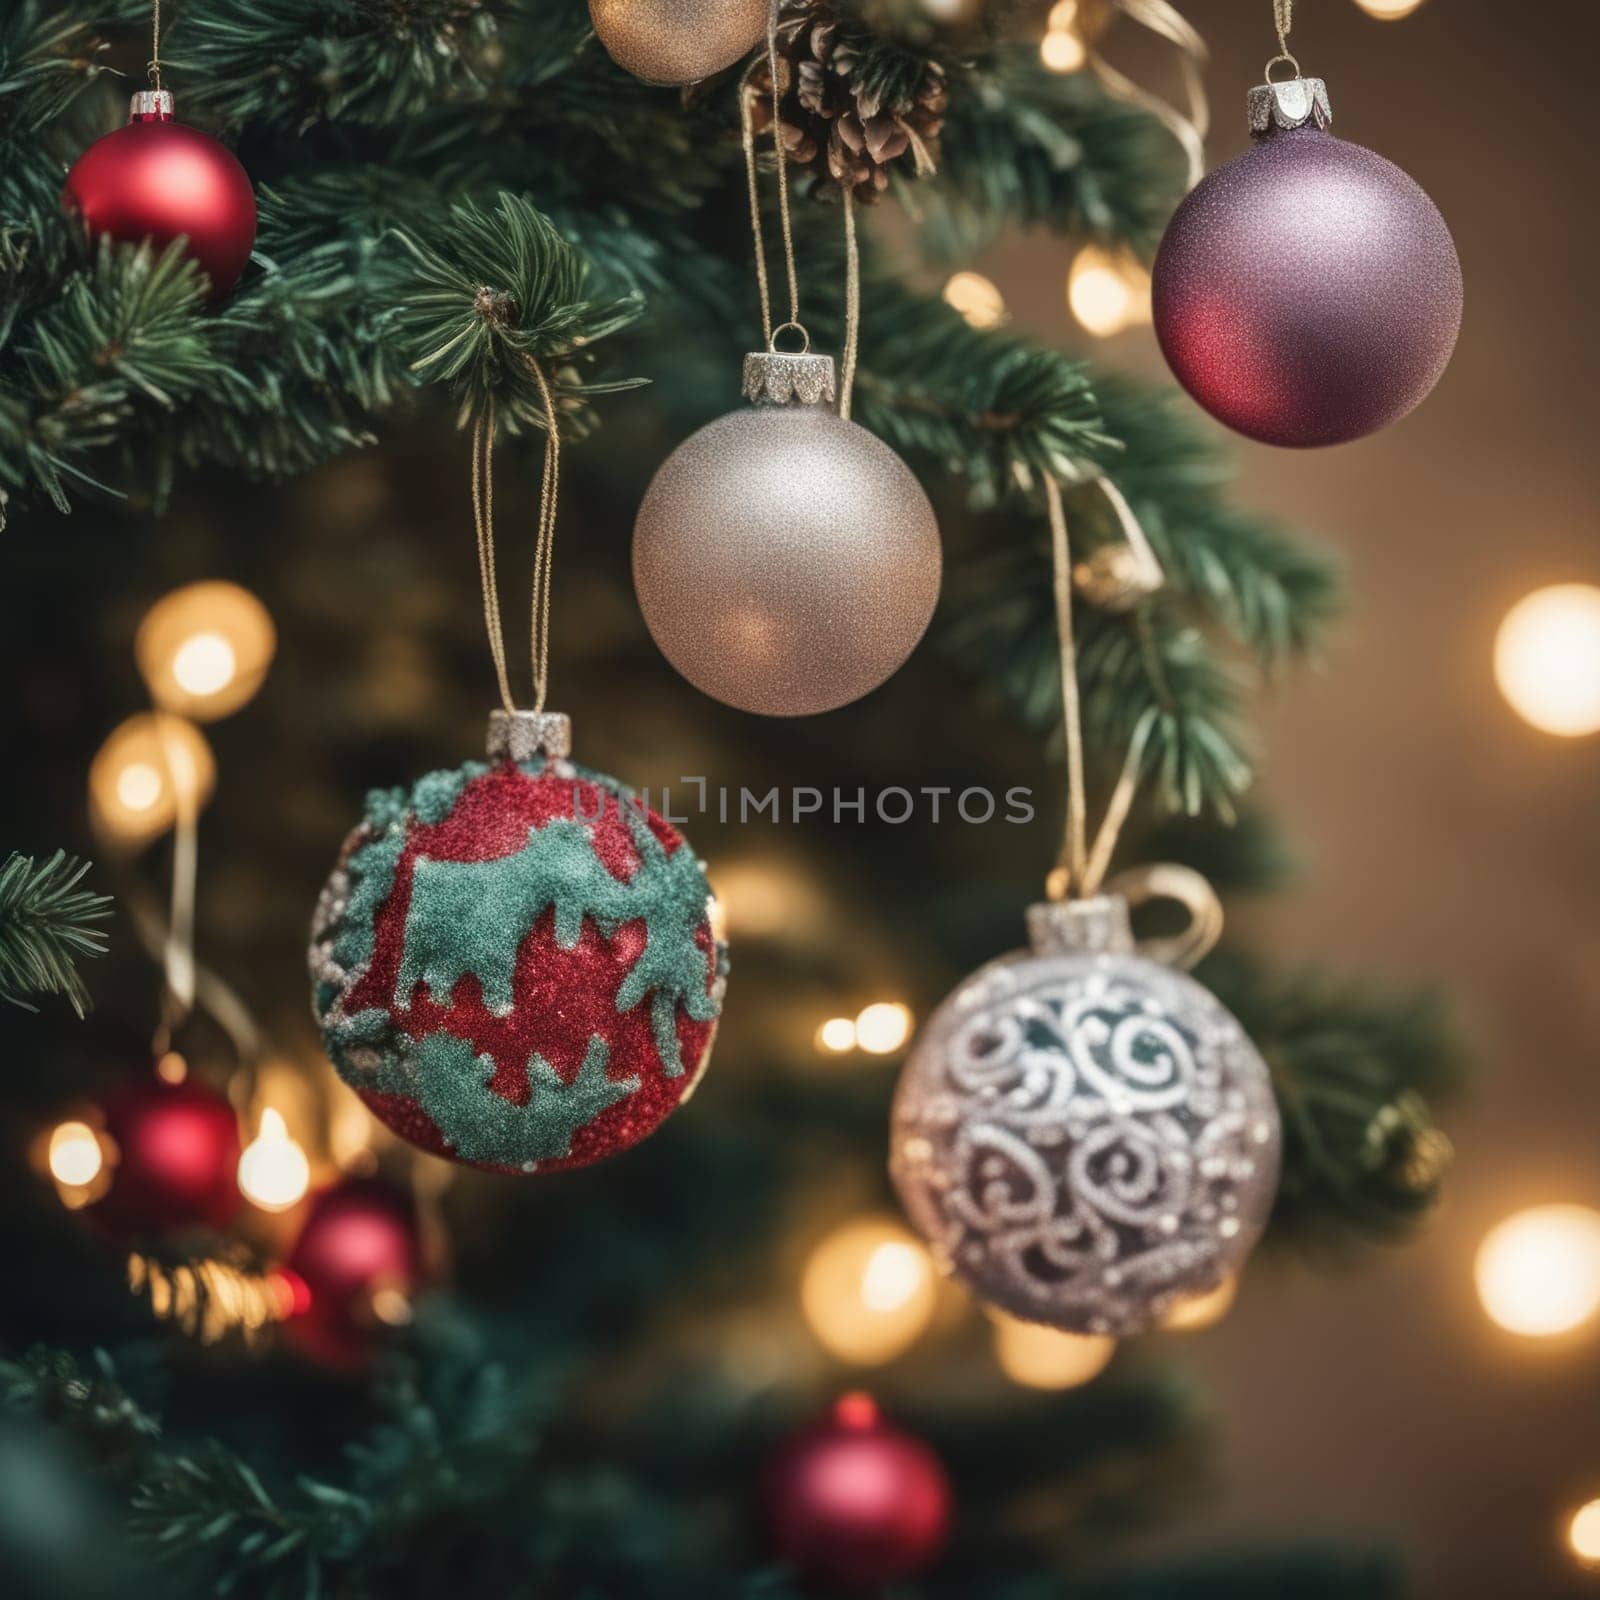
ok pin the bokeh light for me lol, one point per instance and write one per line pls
(836, 1035)
(146, 769)
(883, 1027)
(1583, 1533)
(1538, 1272)
(1045, 1358)
(274, 1173)
(75, 1154)
(868, 1291)
(204, 650)
(976, 298)
(1107, 291)
(1061, 50)
(1198, 1311)
(1547, 659)
(1388, 10)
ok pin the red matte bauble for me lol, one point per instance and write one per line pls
(856, 1502)
(360, 1238)
(1307, 292)
(177, 1160)
(160, 180)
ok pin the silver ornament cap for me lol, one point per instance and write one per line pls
(779, 378)
(151, 105)
(1085, 1137)
(529, 735)
(1293, 103)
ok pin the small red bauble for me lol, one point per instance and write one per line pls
(360, 1242)
(157, 179)
(177, 1160)
(857, 1502)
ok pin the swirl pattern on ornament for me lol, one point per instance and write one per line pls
(1085, 1139)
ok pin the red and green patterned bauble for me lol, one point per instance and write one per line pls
(514, 963)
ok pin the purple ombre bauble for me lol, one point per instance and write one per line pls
(1307, 292)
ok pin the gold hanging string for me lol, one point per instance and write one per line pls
(177, 957)
(483, 527)
(747, 94)
(1283, 22)
(543, 547)
(852, 303)
(1189, 126)
(154, 64)
(1080, 870)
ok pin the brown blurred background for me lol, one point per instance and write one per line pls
(1443, 834)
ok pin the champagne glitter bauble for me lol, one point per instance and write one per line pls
(678, 41)
(514, 962)
(1307, 292)
(856, 1502)
(786, 560)
(1083, 1135)
(160, 180)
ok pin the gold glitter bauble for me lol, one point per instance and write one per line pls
(678, 41)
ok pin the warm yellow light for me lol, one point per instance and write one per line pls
(883, 1027)
(1388, 10)
(205, 664)
(1042, 1358)
(1547, 659)
(1583, 1533)
(1063, 15)
(204, 649)
(868, 1291)
(146, 769)
(1538, 1272)
(273, 1171)
(1199, 1311)
(75, 1154)
(139, 786)
(172, 1068)
(391, 1307)
(976, 298)
(837, 1035)
(1107, 292)
(1063, 51)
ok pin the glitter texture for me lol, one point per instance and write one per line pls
(1307, 292)
(786, 561)
(514, 965)
(1084, 1136)
(678, 41)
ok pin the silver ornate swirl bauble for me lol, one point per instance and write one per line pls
(1084, 1139)
(786, 561)
(678, 41)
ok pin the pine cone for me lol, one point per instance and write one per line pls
(835, 124)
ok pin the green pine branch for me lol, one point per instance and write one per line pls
(47, 925)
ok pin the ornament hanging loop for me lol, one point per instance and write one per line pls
(1166, 880)
(789, 327)
(153, 66)
(1283, 22)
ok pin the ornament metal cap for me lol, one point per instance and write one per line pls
(1097, 926)
(788, 378)
(1294, 103)
(529, 735)
(151, 105)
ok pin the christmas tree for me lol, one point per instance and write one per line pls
(472, 220)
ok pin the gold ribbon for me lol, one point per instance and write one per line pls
(1190, 125)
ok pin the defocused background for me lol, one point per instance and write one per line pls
(1442, 834)
(1442, 831)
